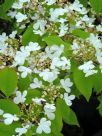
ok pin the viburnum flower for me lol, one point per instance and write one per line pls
(32, 46)
(22, 1)
(44, 126)
(13, 34)
(24, 71)
(50, 2)
(21, 56)
(66, 84)
(22, 130)
(48, 75)
(55, 13)
(54, 51)
(49, 110)
(39, 27)
(36, 83)
(20, 97)
(3, 37)
(68, 98)
(78, 7)
(9, 118)
(20, 17)
(38, 101)
(88, 68)
(62, 63)
(17, 5)
(1, 112)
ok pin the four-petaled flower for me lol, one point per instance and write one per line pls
(20, 97)
(9, 118)
(44, 126)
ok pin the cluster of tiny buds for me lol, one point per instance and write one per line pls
(52, 91)
(38, 61)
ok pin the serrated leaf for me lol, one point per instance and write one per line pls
(8, 81)
(97, 82)
(80, 33)
(9, 107)
(23, 83)
(6, 5)
(83, 84)
(8, 130)
(96, 5)
(32, 93)
(29, 36)
(84, 2)
(57, 124)
(67, 114)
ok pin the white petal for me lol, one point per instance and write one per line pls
(39, 130)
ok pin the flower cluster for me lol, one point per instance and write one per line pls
(47, 70)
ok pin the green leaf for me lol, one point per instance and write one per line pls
(8, 81)
(29, 36)
(84, 2)
(6, 5)
(83, 84)
(67, 114)
(55, 40)
(8, 130)
(97, 82)
(57, 124)
(23, 83)
(100, 105)
(32, 93)
(80, 33)
(9, 107)
(96, 5)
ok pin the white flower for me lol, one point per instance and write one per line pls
(39, 27)
(20, 17)
(13, 34)
(21, 56)
(78, 7)
(88, 20)
(68, 99)
(36, 83)
(88, 68)
(49, 110)
(22, 1)
(9, 118)
(75, 47)
(62, 63)
(20, 97)
(3, 48)
(54, 51)
(3, 37)
(66, 84)
(48, 75)
(38, 101)
(99, 28)
(1, 112)
(32, 47)
(44, 126)
(22, 130)
(12, 13)
(24, 71)
(17, 5)
(50, 2)
(94, 39)
(55, 13)
(63, 29)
